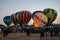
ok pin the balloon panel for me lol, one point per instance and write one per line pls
(51, 14)
(13, 19)
(35, 13)
(16, 18)
(24, 17)
(7, 20)
(39, 20)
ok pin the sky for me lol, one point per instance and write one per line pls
(9, 7)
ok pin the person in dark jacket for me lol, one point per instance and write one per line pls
(56, 30)
(42, 33)
(28, 32)
(5, 33)
(52, 33)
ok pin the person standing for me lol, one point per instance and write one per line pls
(5, 33)
(28, 32)
(42, 33)
(51, 33)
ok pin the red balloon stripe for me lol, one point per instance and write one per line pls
(20, 17)
(26, 16)
(12, 17)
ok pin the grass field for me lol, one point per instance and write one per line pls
(23, 36)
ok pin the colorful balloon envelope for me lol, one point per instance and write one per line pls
(13, 19)
(35, 13)
(51, 14)
(16, 18)
(24, 17)
(40, 19)
(7, 20)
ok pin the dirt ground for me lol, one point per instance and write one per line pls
(23, 36)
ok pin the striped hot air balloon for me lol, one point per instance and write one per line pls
(16, 18)
(24, 17)
(13, 19)
(39, 19)
(51, 14)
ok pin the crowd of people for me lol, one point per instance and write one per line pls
(44, 32)
(50, 32)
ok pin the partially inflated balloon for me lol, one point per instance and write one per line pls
(51, 14)
(13, 19)
(24, 17)
(7, 20)
(40, 20)
(35, 13)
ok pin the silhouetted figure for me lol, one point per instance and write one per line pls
(28, 32)
(42, 32)
(56, 32)
(5, 33)
(51, 33)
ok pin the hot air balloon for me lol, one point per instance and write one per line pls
(7, 20)
(39, 19)
(14, 20)
(51, 14)
(24, 16)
